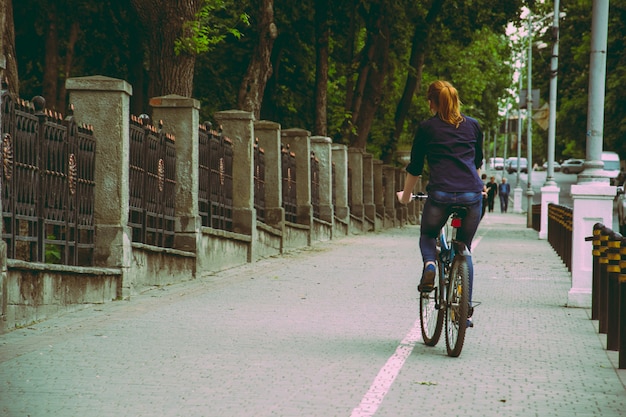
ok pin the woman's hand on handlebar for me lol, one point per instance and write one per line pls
(402, 198)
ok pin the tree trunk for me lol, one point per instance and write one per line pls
(69, 59)
(372, 88)
(369, 86)
(8, 47)
(260, 68)
(414, 78)
(321, 67)
(51, 68)
(163, 22)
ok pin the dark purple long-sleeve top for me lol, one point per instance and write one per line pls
(453, 154)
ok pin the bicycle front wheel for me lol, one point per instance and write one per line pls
(431, 314)
(457, 306)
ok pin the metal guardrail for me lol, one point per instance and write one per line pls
(536, 217)
(608, 296)
(152, 183)
(48, 165)
(560, 232)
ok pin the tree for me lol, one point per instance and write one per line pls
(413, 78)
(163, 22)
(322, 35)
(260, 67)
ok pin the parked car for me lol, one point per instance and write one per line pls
(555, 165)
(612, 166)
(572, 166)
(511, 165)
(496, 163)
(621, 209)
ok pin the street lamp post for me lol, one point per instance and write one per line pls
(550, 190)
(529, 130)
(554, 67)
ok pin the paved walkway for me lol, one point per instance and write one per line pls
(326, 331)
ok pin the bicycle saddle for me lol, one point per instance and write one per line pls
(461, 211)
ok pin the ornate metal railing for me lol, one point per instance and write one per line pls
(315, 185)
(152, 183)
(259, 181)
(288, 164)
(48, 165)
(215, 194)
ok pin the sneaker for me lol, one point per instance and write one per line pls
(428, 279)
(470, 313)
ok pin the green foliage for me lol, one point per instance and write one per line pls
(212, 24)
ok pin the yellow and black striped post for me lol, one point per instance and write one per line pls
(603, 289)
(613, 302)
(595, 283)
(622, 305)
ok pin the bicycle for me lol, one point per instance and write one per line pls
(449, 299)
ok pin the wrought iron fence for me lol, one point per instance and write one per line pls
(215, 195)
(48, 165)
(315, 185)
(152, 183)
(288, 164)
(259, 181)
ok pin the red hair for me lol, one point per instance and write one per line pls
(446, 100)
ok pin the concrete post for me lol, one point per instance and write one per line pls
(268, 134)
(321, 146)
(590, 207)
(104, 103)
(238, 126)
(379, 188)
(389, 174)
(180, 116)
(401, 209)
(593, 195)
(355, 164)
(368, 188)
(299, 142)
(340, 160)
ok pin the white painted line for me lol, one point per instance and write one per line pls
(381, 385)
(387, 375)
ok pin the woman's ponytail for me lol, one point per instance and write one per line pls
(446, 99)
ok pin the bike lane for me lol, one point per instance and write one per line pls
(326, 331)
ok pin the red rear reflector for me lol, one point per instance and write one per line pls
(456, 222)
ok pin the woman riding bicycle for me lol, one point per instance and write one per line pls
(451, 142)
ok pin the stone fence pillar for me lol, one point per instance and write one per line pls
(104, 103)
(340, 161)
(355, 164)
(238, 126)
(368, 188)
(298, 141)
(268, 134)
(321, 146)
(180, 116)
(379, 188)
(390, 188)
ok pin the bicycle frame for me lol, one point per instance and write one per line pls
(449, 297)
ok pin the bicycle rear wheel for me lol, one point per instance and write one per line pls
(431, 314)
(457, 306)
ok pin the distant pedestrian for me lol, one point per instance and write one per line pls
(504, 189)
(483, 177)
(492, 191)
